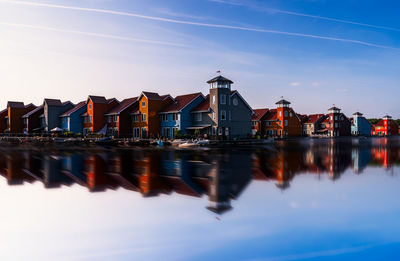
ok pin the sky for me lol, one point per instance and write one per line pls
(314, 53)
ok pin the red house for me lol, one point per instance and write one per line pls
(119, 121)
(94, 120)
(385, 127)
(336, 124)
(258, 121)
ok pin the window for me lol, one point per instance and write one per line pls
(286, 123)
(143, 103)
(254, 123)
(144, 118)
(280, 113)
(115, 118)
(331, 118)
(335, 118)
(291, 114)
(223, 115)
(268, 123)
(144, 132)
(108, 119)
(286, 114)
(213, 99)
(235, 102)
(197, 116)
(136, 132)
(135, 118)
(90, 119)
(84, 119)
(223, 99)
(90, 106)
(230, 118)
(164, 117)
(213, 115)
(175, 116)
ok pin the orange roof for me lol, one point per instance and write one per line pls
(259, 113)
(312, 118)
(271, 115)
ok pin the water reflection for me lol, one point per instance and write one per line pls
(219, 174)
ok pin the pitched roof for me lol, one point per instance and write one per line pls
(53, 102)
(219, 79)
(240, 96)
(13, 104)
(123, 105)
(204, 105)
(302, 117)
(181, 102)
(111, 100)
(74, 109)
(283, 101)
(259, 113)
(152, 95)
(312, 118)
(387, 116)
(271, 115)
(163, 97)
(4, 111)
(334, 108)
(358, 113)
(97, 99)
(33, 111)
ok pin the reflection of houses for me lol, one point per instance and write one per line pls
(13, 170)
(385, 127)
(96, 174)
(32, 120)
(360, 126)
(361, 156)
(52, 173)
(71, 120)
(119, 120)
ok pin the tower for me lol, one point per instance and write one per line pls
(334, 113)
(220, 105)
(283, 114)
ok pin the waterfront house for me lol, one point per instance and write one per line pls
(224, 112)
(146, 121)
(258, 121)
(335, 124)
(360, 126)
(119, 121)
(94, 120)
(271, 123)
(312, 123)
(176, 117)
(15, 112)
(71, 120)
(52, 109)
(385, 127)
(32, 121)
(3, 120)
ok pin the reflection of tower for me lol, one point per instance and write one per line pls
(229, 177)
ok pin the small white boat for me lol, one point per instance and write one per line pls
(188, 144)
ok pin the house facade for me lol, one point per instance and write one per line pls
(360, 126)
(14, 118)
(52, 109)
(335, 124)
(71, 120)
(312, 124)
(146, 121)
(177, 116)
(3, 120)
(288, 121)
(119, 122)
(32, 121)
(258, 121)
(94, 120)
(385, 127)
(224, 113)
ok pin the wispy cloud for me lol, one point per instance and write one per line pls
(221, 26)
(108, 36)
(273, 10)
(294, 84)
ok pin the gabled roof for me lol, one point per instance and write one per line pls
(302, 117)
(271, 115)
(111, 100)
(334, 108)
(387, 116)
(358, 113)
(33, 111)
(283, 102)
(181, 102)
(259, 113)
(240, 96)
(4, 111)
(204, 105)
(122, 106)
(53, 102)
(219, 79)
(13, 104)
(97, 99)
(312, 118)
(74, 109)
(164, 97)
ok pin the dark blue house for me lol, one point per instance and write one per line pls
(177, 116)
(360, 125)
(71, 121)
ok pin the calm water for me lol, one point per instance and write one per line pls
(306, 199)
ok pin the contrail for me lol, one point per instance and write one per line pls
(310, 16)
(108, 36)
(221, 26)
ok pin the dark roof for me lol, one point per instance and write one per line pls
(97, 99)
(111, 100)
(271, 115)
(14, 104)
(33, 111)
(53, 102)
(302, 117)
(163, 97)
(334, 108)
(66, 103)
(283, 102)
(74, 109)
(4, 111)
(204, 105)
(259, 113)
(312, 118)
(219, 79)
(152, 95)
(123, 105)
(358, 113)
(387, 116)
(181, 102)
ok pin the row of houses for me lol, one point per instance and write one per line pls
(222, 112)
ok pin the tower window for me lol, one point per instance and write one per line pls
(213, 99)
(286, 113)
(280, 113)
(223, 115)
(223, 99)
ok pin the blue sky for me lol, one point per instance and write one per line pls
(315, 53)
